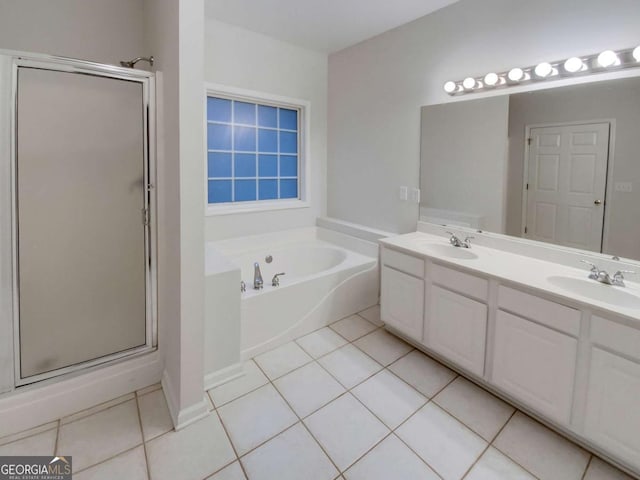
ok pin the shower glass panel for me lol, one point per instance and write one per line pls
(81, 181)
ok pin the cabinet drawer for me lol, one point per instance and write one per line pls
(535, 364)
(560, 317)
(464, 283)
(619, 338)
(405, 263)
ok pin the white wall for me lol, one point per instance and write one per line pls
(376, 88)
(175, 31)
(104, 31)
(243, 59)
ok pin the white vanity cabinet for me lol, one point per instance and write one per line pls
(535, 354)
(572, 363)
(612, 417)
(402, 292)
(455, 324)
(535, 364)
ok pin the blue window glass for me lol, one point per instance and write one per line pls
(218, 110)
(219, 164)
(267, 140)
(219, 191)
(288, 166)
(244, 139)
(267, 116)
(252, 151)
(267, 165)
(288, 119)
(244, 113)
(288, 142)
(245, 165)
(245, 190)
(267, 189)
(218, 137)
(289, 188)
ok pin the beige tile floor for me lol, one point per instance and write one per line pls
(349, 401)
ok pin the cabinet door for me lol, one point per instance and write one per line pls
(457, 328)
(402, 302)
(535, 364)
(612, 415)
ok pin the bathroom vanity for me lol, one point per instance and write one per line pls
(541, 334)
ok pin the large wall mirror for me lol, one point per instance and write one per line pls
(560, 165)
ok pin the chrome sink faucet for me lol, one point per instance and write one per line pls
(257, 277)
(617, 279)
(456, 242)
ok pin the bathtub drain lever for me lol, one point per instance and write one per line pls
(275, 282)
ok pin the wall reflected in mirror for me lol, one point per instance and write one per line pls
(560, 165)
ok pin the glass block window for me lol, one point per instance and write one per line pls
(253, 151)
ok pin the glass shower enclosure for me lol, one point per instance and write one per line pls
(82, 199)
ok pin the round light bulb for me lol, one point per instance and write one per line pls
(543, 69)
(608, 58)
(491, 79)
(515, 74)
(573, 65)
(450, 87)
(636, 53)
(469, 83)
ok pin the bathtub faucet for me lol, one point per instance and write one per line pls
(257, 277)
(275, 282)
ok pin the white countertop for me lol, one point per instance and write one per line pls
(519, 269)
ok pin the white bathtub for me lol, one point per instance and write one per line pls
(323, 282)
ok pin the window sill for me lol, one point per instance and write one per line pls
(250, 207)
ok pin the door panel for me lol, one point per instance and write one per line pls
(81, 240)
(612, 417)
(402, 302)
(535, 364)
(567, 183)
(457, 328)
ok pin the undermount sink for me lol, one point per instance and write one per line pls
(596, 291)
(450, 251)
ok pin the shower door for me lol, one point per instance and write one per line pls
(81, 227)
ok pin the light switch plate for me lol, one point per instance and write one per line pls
(623, 187)
(403, 193)
(415, 195)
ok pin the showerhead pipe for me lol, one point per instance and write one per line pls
(132, 63)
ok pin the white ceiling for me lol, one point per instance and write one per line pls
(323, 25)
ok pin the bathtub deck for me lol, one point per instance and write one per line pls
(347, 399)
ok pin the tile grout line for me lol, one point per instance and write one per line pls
(300, 420)
(98, 411)
(253, 359)
(489, 445)
(107, 459)
(55, 447)
(144, 442)
(233, 447)
(349, 391)
(53, 427)
(584, 474)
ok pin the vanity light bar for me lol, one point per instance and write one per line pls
(605, 61)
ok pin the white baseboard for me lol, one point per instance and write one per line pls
(223, 375)
(186, 416)
(33, 405)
